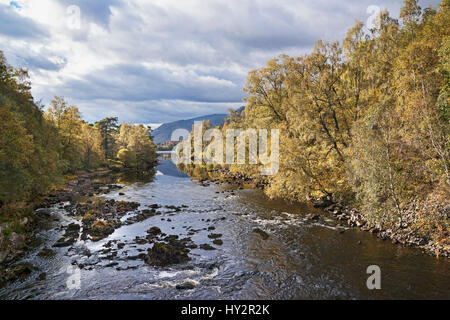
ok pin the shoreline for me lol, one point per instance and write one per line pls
(14, 245)
(353, 218)
(18, 244)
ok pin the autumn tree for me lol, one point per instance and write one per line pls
(28, 148)
(91, 146)
(136, 147)
(67, 120)
(16, 148)
(364, 122)
(108, 128)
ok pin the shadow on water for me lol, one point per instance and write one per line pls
(269, 250)
(126, 178)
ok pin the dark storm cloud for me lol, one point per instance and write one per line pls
(15, 26)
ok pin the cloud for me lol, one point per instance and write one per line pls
(36, 61)
(40, 62)
(97, 11)
(13, 25)
(161, 60)
(133, 82)
(139, 111)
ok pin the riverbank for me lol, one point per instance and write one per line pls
(205, 240)
(405, 233)
(98, 218)
(17, 236)
(90, 216)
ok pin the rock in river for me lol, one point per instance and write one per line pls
(162, 255)
(46, 252)
(70, 236)
(20, 271)
(262, 233)
(186, 286)
(214, 235)
(207, 247)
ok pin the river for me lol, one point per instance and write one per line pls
(301, 258)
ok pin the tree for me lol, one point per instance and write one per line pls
(364, 122)
(127, 157)
(124, 134)
(90, 145)
(108, 128)
(410, 14)
(29, 142)
(15, 153)
(142, 145)
(137, 147)
(266, 91)
(67, 121)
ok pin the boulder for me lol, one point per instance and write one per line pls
(162, 255)
(262, 233)
(46, 252)
(20, 271)
(214, 235)
(185, 286)
(207, 247)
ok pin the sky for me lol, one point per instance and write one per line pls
(155, 61)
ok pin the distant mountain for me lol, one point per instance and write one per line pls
(164, 132)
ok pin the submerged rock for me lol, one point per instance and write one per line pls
(46, 252)
(154, 233)
(207, 247)
(214, 235)
(262, 233)
(174, 208)
(162, 255)
(17, 272)
(99, 230)
(42, 276)
(69, 237)
(186, 286)
(141, 216)
(124, 206)
(64, 242)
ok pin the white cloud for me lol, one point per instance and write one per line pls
(160, 60)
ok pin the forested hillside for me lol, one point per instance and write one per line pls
(38, 148)
(364, 121)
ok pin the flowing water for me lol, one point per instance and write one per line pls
(301, 258)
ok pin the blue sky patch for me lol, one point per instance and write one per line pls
(15, 4)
